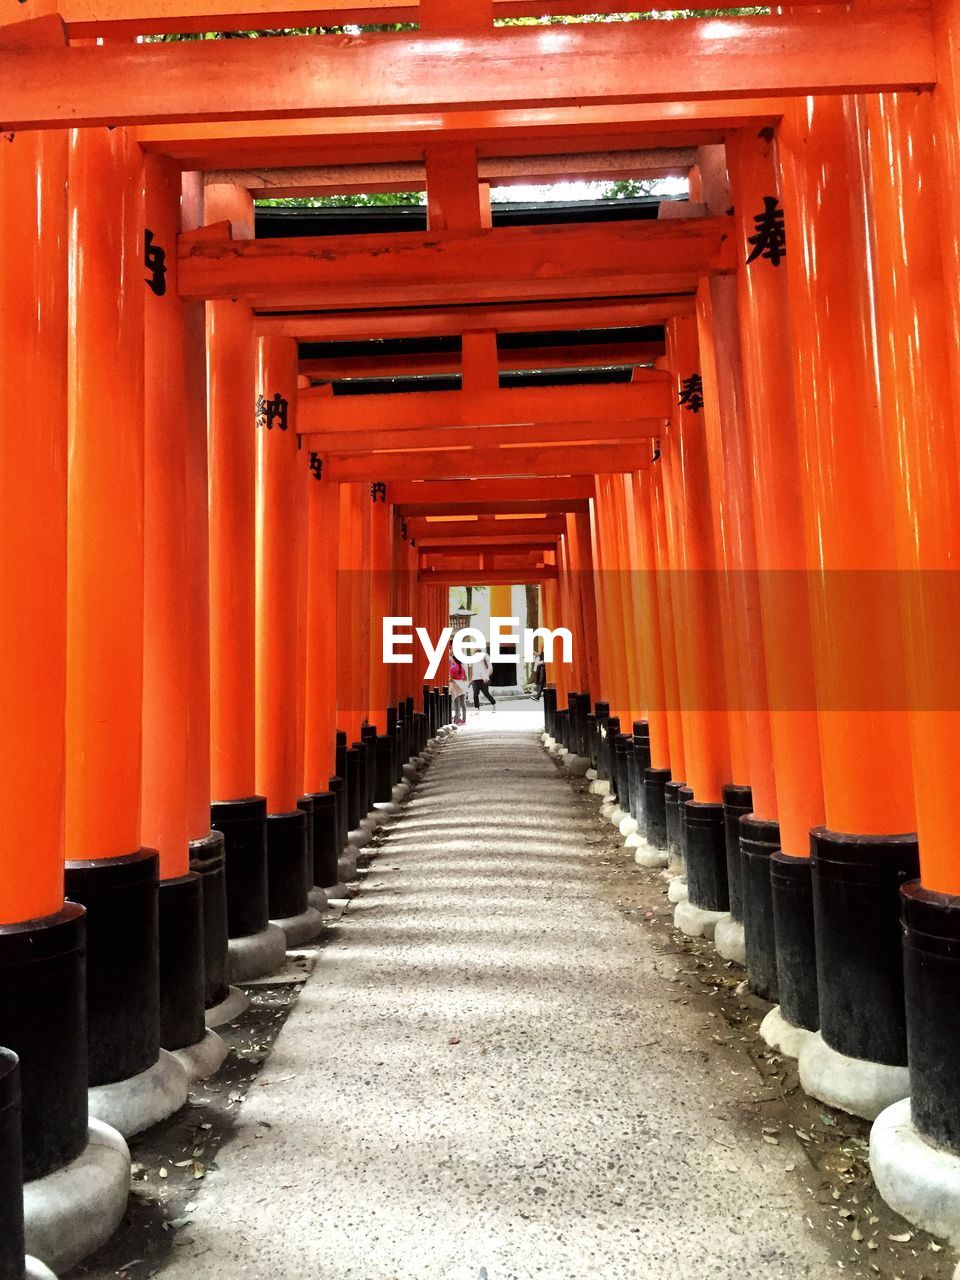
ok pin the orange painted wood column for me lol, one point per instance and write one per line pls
(848, 494)
(649, 636)
(278, 581)
(781, 560)
(624, 530)
(578, 535)
(34, 918)
(605, 693)
(320, 719)
(381, 585)
(351, 675)
(698, 627)
(665, 586)
(33, 515)
(106, 869)
(170, 412)
(913, 170)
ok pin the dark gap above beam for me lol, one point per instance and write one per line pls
(519, 378)
(379, 347)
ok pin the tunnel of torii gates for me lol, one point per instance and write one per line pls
(752, 530)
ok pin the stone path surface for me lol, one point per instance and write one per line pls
(486, 1078)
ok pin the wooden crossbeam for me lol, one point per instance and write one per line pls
(402, 138)
(469, 463)
(591, 63)
(582, 356)
(120, 17)
(650, 396)
(506, 490)
(376, 441)
(487, 265)
(490, 508)
(478, 545)
(491, 577)
(441, 322)
(548, 526)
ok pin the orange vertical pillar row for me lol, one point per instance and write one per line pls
(604, 692)
(611, 669)
(616, 668)
(277, 581)
(865, 849)
(168, 625)
(666, 584)
(771, 425)
(698, 629)
(658, 768)
(624, 532)
(352, 651)
(107, 870)
(237, 812)
(320, 781)
(34, 918)
(920, 380)
(381, 587)
(749, 800)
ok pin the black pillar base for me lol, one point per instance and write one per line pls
(654, 807)
(43, 1019)
(759, 840)
(123, 962)
(182, 987)
(288, 870)
(791, 884)
(706, 855)
(562, 725)
(601, 712)
(243, 825)
(356, 785)
(549, 708)
(326, 839)
(672, 820)
(737, 801)
(11, 1170)
(207, 859)
(338, 788)
(856, 902)
(639, 767)
(931, 962)
(368, 739)
(383, 776)
(622, 748)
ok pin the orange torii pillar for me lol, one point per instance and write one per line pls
(107, 869)
(174, 394)
(915, 1144)
(612, 704)
(766, 352)
(353, 619)
(320, 781)
(42, 988)
(666, 582)
(279, 767)
(867, 847)
(237, 812)
(381, 733)
(694, 559)
(652, 666)
(750, 800)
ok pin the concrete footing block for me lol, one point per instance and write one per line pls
(599, 788)
(646, 855)
(577, 766)
(389, 809)
(317, 898)
(920, 1182)
(613, 814)
(203, 1059)
(411, 773)
(70, 1213)
(230, 1008)
(695, 922)
(729, 940)
(359, 838)
(591, 775)
(782, 1035)
(302, 928)
(677, 890)
(256, 955)
(852, 1084)
(130, 1106)
(400, 792)
(34, 1269)
(628, 825)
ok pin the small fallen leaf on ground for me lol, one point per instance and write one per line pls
(454, 1040)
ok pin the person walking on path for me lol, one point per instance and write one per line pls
(482, 670)
(459, 684)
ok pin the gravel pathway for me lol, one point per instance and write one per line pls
(487, 1077)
